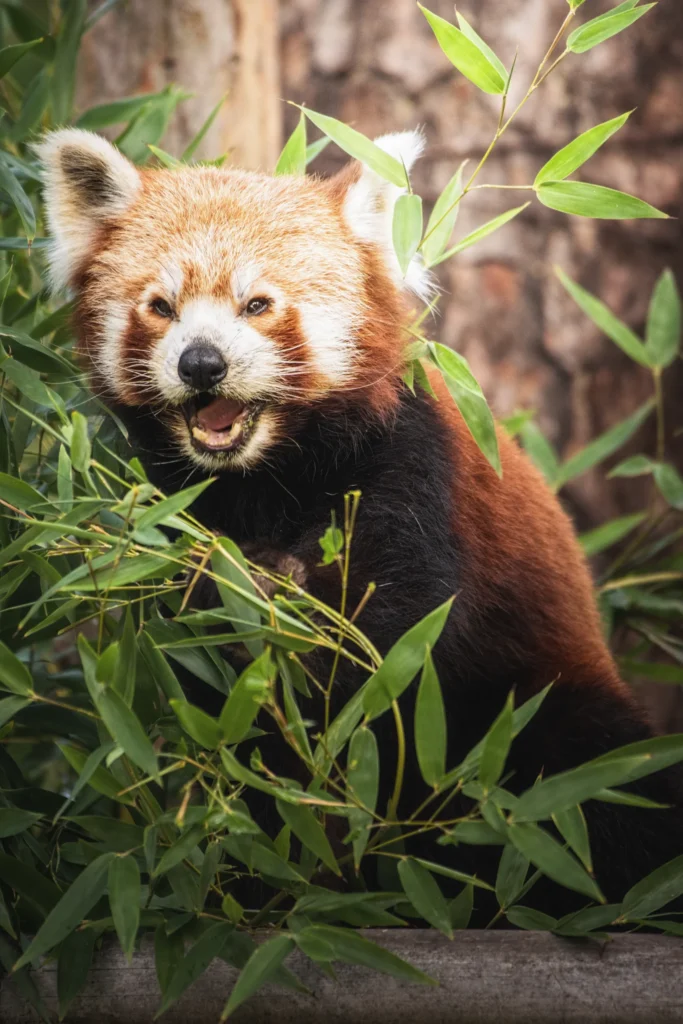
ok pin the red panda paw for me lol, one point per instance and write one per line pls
(274, 563)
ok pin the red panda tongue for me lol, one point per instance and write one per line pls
(220, 414)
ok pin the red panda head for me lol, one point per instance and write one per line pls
(229, 302)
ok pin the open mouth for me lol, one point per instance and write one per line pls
(219, 424)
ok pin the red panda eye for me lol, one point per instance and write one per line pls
(256, 306)
(162, 308)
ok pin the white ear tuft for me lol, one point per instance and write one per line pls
(369, 209)
(87, 181)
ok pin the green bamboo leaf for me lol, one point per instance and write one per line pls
(124, 726)
(72, 25)
(90, 771)
(164, 158)
(348, 946)
(604, 27)
(603, 537)
(360, 147)
(295, 721)
(442, 220)
(571, 824)
(70, 910)
(457, 876)
(124, 672)
(10, 708)
(540, 450)
(656, 890)
(476, 236)
(403, 662)
(469, 399)
(105, 114)
(160, 512)
(178, 972)
(430, 725)
(191, 149)
(425, 895)
(65, 487)
(559, 792)
(259, 969)
(553, 860)
(460, 908)
(18, 493)
(308, 829)
(663, 333)
(466, 55)
(315, 148)
(467, 30)
(581, 149)
(160, 669)
(9, 55)
(229, 564)
(10, 184)
(362, 776)
(669, 483)
(124, 900)
(292, 159)
(150, 124)
(583, 199)
(602, 317)
(512, 871)
(204, 729)
(13, 821)
(602, 446)
(406, 229)
(73, 964)
(252, 689)
(14, 676)
(80, 443)
(585, 921)
(496, 746)
(179, 850)
(530, 919)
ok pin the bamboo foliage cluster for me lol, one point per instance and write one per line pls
(124, 807)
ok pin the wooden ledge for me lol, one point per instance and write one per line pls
(485, 978)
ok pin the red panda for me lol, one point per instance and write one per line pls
(254, 328)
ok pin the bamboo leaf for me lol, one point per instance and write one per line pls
(583, 199)
(581, 149)
(663, 333)
(252, 689)
(14, 676)
(425, 895)
(469, 399)
(13, 821)
(308, 829)
(442, 220)
(602, 317)
(560, 792)
(403, 662)
(71, 909)
(604, 27)
(553, 860)
(406, 229)
(204, 729)
(656, 890)
(360, 147)
(9, 55)
(476, 236)
(362, 775)
(467, 56)
(430, 725)
(292, 159)
(124, 900)
(602, 537)
(602, 446)
(263, 963)
(496, 746)
(348, 946)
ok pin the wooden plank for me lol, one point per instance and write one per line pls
(485, 978)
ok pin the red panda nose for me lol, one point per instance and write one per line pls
(201, 367)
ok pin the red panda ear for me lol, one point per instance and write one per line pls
(87, 181)
(368, 207)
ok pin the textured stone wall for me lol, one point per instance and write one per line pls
(375, 63)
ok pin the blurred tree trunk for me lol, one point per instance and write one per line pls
(209, 47)
(378, 66)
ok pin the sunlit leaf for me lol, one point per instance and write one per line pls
(360, 147)
(407, 229)
(292, 159)
(442, 220)
(467, 56)
(604, 27)
(581, 149)
(583, 199)
(476, 236)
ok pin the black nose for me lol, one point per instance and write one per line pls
(202, 367)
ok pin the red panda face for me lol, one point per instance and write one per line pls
(229, 302)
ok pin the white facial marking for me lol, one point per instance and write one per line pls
(255, 366)
(171, 280)
(113, 329)
(243, 279)
(329, 332)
